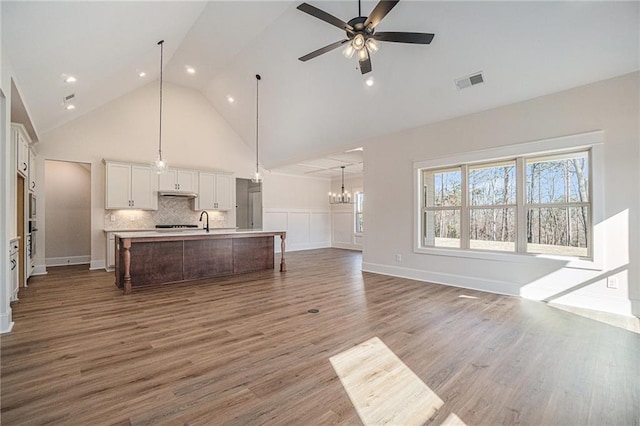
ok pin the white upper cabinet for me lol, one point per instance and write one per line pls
(32, 171)
(215, 191)
(21, 141)
(130, 186)
(178, 180)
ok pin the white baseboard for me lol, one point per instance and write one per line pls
(301, 246)
(618, 306)
(6, 325)
(97, 264)
(39, 270)
(462, 281)
(347, 246)
(68, 260)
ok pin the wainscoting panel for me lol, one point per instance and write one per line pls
(343, 227)
(306, 229)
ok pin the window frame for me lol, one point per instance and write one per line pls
(357, 232)
(591, 141)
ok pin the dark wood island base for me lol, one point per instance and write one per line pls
(144, 259)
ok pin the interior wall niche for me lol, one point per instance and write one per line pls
(68, 213)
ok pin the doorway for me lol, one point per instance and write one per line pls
(248, 204)
(68, 213)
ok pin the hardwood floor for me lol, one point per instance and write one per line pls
(245, 350)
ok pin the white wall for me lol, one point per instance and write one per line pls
(194, 135)
(611, 106)
(7, 227)
(298, 205)
(68, 216)
(343, 215)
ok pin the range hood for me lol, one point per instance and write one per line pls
(181, 194)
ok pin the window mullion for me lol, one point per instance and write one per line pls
(464, 208)
(521, 211)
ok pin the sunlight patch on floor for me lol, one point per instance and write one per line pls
(625, 322)
(382, 388)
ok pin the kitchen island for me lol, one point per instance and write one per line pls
(150, 258)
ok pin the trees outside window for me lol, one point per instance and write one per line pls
(537, 204)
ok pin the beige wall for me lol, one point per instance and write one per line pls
(68, 214)
(611, 106)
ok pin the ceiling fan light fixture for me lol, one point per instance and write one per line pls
(362, 54)
(348, 51)
(358, 42)
(372, 45)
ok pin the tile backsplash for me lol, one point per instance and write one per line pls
(171, 211)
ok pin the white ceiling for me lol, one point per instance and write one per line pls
(525, 50)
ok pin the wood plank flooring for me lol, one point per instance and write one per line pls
(244, 350)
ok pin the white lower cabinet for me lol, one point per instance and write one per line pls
(215, 191)
(111, 251)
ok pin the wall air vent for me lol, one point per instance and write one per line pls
(470, 80)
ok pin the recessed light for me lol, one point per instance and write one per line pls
(230, 99)
(142, 74)
(190, 70)
(70, 79)
(69, 107)
(369, 81)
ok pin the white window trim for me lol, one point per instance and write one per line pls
(590, 140)
(355, 211)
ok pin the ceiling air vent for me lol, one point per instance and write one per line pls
(68, 98)
(470, 80)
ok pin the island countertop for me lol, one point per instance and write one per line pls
(157, 257)
(195, 232)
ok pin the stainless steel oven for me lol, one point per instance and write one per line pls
(33, 228)
(32, 206)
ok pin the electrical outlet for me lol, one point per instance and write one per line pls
(112, 218)
(612, 282)
(398, 258)
(132, 218)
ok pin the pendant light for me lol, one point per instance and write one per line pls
(160, 165)
(343, 197)
(257, 178)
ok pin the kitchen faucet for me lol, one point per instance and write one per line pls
(202, 214)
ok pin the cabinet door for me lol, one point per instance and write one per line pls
(118, 191)
(168, 180)
(206, 192)
(22, 149)
(111, 250)
(32, 172)
(224, 194)
(143, 188)
(188, 181)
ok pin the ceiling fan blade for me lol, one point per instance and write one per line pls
(400, 37)
(365, 65)
(322, 50)
(379, 12)
(321, 14)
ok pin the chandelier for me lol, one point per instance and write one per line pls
(343, 197)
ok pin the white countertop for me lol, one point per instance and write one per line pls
(160, 234)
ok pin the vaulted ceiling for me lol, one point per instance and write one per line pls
(311, 109)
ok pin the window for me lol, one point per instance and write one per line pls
(359, 228)
(525, 204)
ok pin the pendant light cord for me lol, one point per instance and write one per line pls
(359, 10)
(161, 43)
(257, 95)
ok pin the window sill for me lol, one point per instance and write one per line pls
(569, 261)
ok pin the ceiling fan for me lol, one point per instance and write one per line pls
(361, 36)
